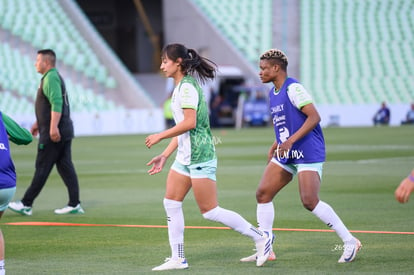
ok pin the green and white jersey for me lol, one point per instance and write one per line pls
(196, 145)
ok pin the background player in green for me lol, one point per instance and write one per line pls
(55, 129)
(195, 164)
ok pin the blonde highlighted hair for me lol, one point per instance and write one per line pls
(276, 55)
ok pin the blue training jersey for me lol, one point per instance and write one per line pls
(287, 119)
(7, 170)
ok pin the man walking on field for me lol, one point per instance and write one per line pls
(55, 129)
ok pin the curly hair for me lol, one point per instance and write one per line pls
(277, 56)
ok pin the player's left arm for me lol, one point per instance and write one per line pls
(312, 120)
(304, 102)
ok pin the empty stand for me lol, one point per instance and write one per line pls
(358, 52)
(351, 51)
(21, 77)
(26, 26)
(246, 24)
(10, 104)
(44, 24)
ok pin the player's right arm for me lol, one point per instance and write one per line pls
(303, 101)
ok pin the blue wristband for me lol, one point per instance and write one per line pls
(411, 177)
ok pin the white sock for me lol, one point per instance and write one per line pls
(2, 269)
(265, 216)
(175, 220)
(177, 251)
(234, 221)
(326, 214)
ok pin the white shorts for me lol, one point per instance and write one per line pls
(297, 168)
(6, 195)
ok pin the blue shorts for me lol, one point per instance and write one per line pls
(296, 168)
(197, 171)
(6, 195)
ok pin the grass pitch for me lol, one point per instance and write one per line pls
(363, 168)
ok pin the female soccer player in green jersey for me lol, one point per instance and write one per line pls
(195, 163)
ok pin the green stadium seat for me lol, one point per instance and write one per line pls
(364, 42)
(247, 23)
(23, 80)
(44, 24)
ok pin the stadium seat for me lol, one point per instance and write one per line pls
(44, 24)
(23, 80)
(363, 42)
(243, 19)
(12, 105)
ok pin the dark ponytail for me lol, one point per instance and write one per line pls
(192, 63)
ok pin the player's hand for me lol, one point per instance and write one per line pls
(402, 193)
(152, 140)
(157, 163)
(34, 130)
(282, 150)
(285, 146)
(271, 152)
(55, 134)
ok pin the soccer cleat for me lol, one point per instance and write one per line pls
(252, 258)
(263, 248)
(350, 251)
(70, 210)
(171, 264)
(20, 208)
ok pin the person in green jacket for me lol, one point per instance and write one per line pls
(54, 127)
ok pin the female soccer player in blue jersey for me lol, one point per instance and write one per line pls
(299, 149)
(195, 163)
(9, 130)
